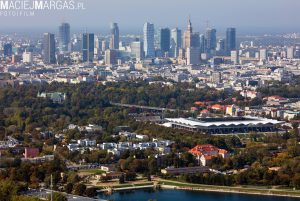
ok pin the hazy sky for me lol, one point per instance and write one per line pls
(256, 15)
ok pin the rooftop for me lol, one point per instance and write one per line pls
(224, 121)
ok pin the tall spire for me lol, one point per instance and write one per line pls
(190, 28)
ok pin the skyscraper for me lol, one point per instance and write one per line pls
(164, 37)
(104, 45)
(87, 47)
(230, 40)
(211, 39)
(187, 36)
(202, 44)
(64, 37)
(221, 47)
(175, 44)
(195, 40)
(49, 49)
(115, 36)
(149, 40)
(7, 48)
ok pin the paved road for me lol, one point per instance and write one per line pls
(44, 193)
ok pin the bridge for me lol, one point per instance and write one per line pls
(146, 107)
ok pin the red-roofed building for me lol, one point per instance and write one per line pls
(200, 103)
(204, 113)
(204, 153)
(31, 152)
(217, 107)
(276, 100)
(193, 109)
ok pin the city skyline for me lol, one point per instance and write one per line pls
(132, 14)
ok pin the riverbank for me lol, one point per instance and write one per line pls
(167, 184)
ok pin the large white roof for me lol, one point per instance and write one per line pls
(249, 120)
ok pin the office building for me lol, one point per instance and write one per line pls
(110, 57)
(7, 49)
(181, 54)
(76, 44)
(235, 57)
(202, 43)
(27, 57)
(263, 55)
(164, 38)
(216, 77)
(64, 37)
(230, 40)
(175, 44)
(49, 49)
(88, 47)
(137, 50)
(193, 56)
(149, 40)
(104, 45)
(290, 52)
(195, 40)
(211, 39)
(221, 47)
(115, 36)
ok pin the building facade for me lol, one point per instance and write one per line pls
(149, 40)
(175, 43)
(49, 49)
(230, 40)
(64, 37)
(115, 36)
(88, 47)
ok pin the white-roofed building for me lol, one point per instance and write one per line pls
(225, 125)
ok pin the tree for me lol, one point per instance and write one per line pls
(122, 179)
(69, 188)
(91, 192)
(79, 189)
(130, 176)
(7, 190)
(296, 181)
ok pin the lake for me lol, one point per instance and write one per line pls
(180, 195)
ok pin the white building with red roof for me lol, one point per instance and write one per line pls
(204, 153)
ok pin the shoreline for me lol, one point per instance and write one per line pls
(234, 191)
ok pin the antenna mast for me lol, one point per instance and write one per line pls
(51, 186)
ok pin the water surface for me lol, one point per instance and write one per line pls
(180, 195)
